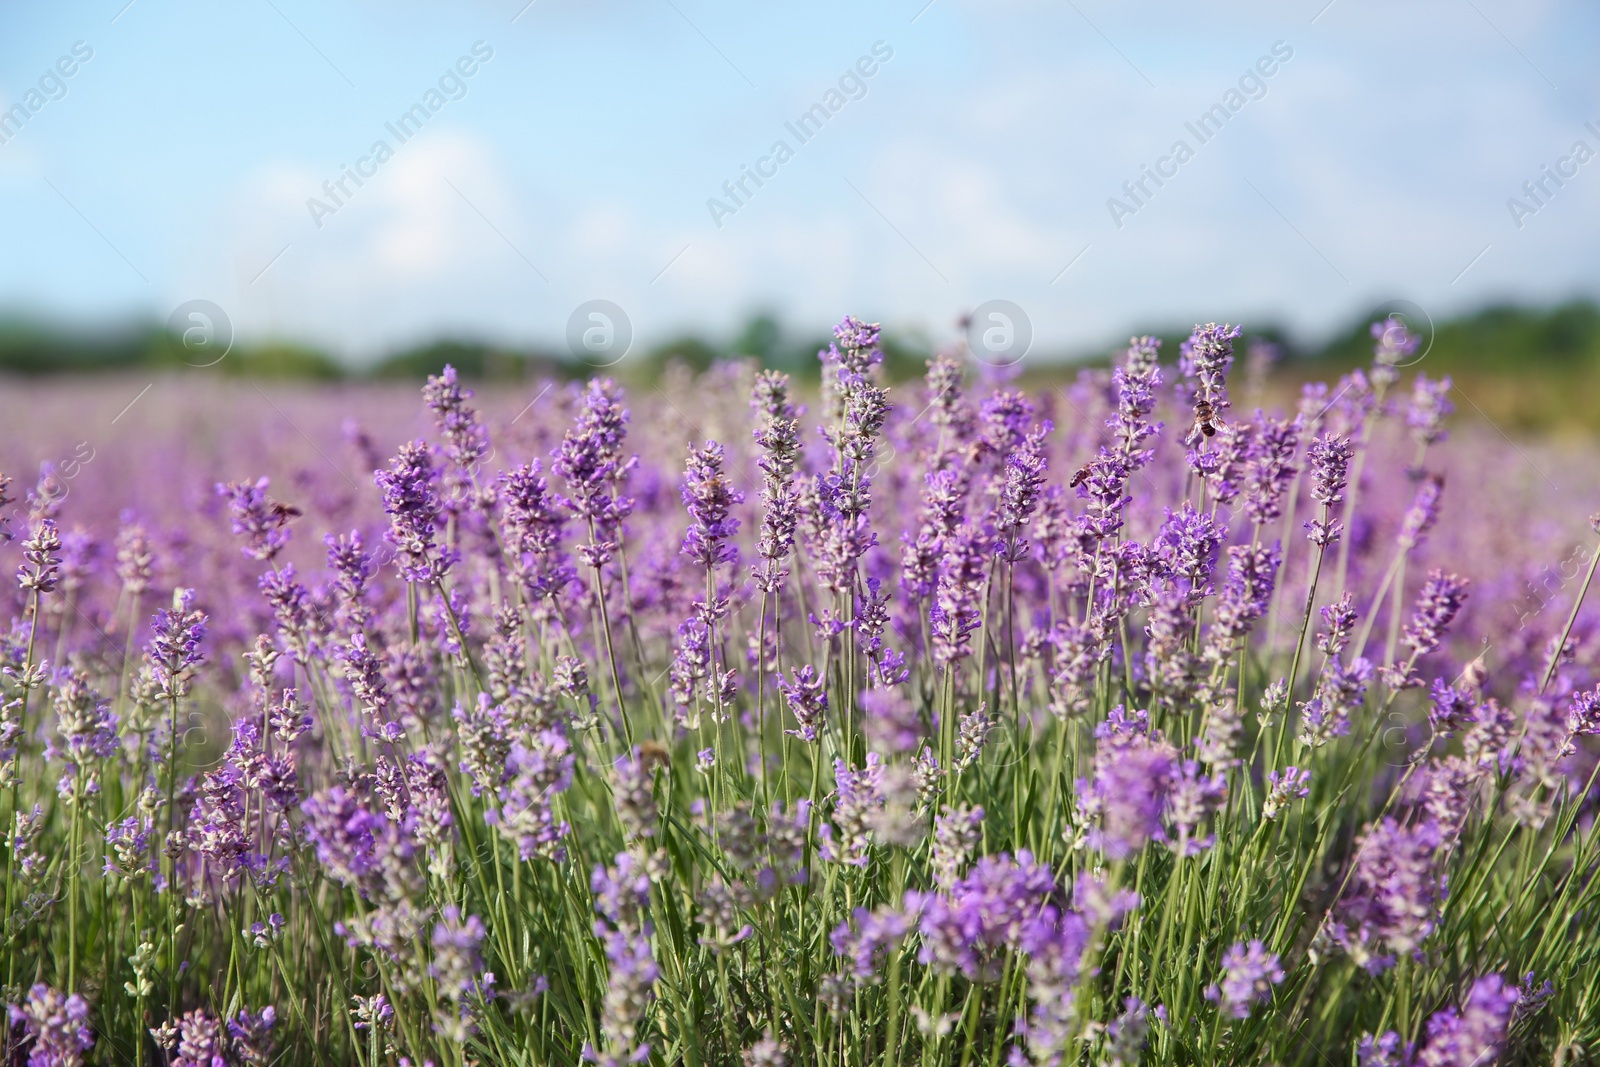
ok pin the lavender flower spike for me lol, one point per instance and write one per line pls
(55, 1024)
(1249, 973)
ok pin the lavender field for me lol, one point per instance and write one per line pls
(734, 721)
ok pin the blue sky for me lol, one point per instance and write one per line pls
(976, 163)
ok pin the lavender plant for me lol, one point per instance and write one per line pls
(949, 726)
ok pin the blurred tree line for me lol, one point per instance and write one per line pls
(1535, 366)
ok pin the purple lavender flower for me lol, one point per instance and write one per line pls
(54, 1026)
(536, 773)
(457, 963)
(1192, 798)
(767, 1052)
(1451, 708)
(985, 913)
(531, 523)
(1249, 973)
(1077, 652)
(466, 441)
(358, 847)
(590, 460)
(1430, 406)
(252, 1035)
(1127, 1033)
(1387, 1050)
(1393, 897)
(1340, 619)
(777, 434)
(129, 843)
(709, 499)
(1340, 690)
(1203, 360)
(691, 665)
(1474, 1035)
(1169, 662)
(134, 558)
(1329, 457)
(87, 729)
(1019, 494)
(1270, 469)
(260, 520)
(872, 936)
(633, 795)
(40, 552)
(1583, 719)
(942, 495)
(201, 1041)
(1252, 572)
(1184, 551)
(1005, 415)
(411, 500)
(1395, 340)
(1136, 382)
(1124, 802)
(808, 701)
(1423, 513)
(1293, 784)
(621, 896)
(956, 832)
(1105, 487)
(1437, 606)
(956, 609)
(858, 797)
(173, 654)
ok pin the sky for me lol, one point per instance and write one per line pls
(563, 151)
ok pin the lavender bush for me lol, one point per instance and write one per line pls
(951, 725)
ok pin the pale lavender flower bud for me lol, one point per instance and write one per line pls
(633, 794)
(202, 1041)
(956, 832)
(972, 733)
(767, 1052)
(1127, 1033)
(40, 553)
